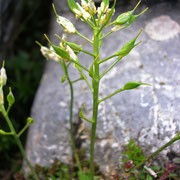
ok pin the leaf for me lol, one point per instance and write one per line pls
(133, 85)
(61, 52)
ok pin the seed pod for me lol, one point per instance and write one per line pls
(10, 98)
(132, 85)
(62, 53)
(128, 47)
(74, 46)
(124, 18)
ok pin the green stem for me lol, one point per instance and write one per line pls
(110, 67)
(176, 138)
(95, 83)
(110, 32)
(77, 80)
(18, 142)
(84, 37)
(87, 52)
(110, 57)
(116, 92)
(71, 118)
(84, 77)
(25, 127)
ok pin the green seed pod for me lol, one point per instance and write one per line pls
(62, 53)
(30, 120)
(10, 98)
(125, 17)
(128, 47)
(74, 46)
(133, 85)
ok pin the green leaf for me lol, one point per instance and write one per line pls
(72, 5)
(61, 52)
(133, 85)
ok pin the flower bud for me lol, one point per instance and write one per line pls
(30, 120)
(71, 53)
(91, 7)
(3, 76)
(10, 98)
(82, 13)
(66, 24)
(49, 53)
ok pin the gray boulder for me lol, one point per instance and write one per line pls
(148, 114)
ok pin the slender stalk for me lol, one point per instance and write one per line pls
(110, 32)
(110, 67)
(116, 92)
(110, 57)
(24, 129)
(95, 83)
(87, 52)
(176, 138)
(18, 142)
(84, 37)
(71, 118)
(79, 79)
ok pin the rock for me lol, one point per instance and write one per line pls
(148, 114)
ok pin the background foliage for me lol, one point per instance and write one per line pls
(24, 65)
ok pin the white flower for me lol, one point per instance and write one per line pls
(103, 8)
(62, 44)
(66, 24)
(3, 76)
(50, 54)
(71, 53)
(82, 13)
(92, 7)
(84, 4)
(116, 28)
